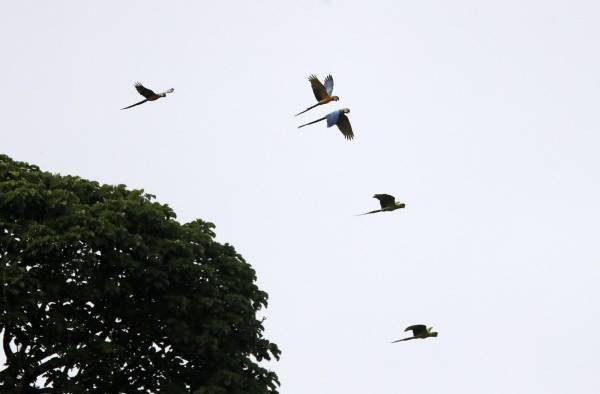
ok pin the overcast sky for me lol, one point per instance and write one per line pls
(481, 116)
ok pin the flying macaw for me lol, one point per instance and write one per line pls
(339, 119)
(149, 94)
(322, 93)
(388, 203)
(420, 331)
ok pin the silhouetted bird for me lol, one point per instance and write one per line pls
(420, 331)
(388, 203)
(322, 93)
(339, 119)
(149, 94)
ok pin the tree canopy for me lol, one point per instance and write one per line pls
(104, 291)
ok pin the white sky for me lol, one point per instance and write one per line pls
(482, 116)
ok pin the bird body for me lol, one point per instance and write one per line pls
(148, 94)
(332, 118)
(388, 203)
(322, 92)
(420, 331)
(339, 119)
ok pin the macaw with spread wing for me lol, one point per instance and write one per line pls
(420, 331)
(148, 94)
(339, 119)
(388, 203)
(322, 92)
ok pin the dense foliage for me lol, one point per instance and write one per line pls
(104, 291)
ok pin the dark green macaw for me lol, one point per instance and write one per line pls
(420, 331)
(388, 203)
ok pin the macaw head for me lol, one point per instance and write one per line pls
(164, 94)
(335, 98)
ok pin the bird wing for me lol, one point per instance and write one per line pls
(318, 88)
(144, 91)
(343, 124)
(418, 329)
(329, 84)
(385, 200)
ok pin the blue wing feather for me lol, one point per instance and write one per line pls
(329, 84)
(332, 118)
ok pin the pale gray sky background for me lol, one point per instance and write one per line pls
(482, 116)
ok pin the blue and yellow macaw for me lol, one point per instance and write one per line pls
(148, 94)
(388, 203)
(339, 119)
(420, 331)
(322, 93)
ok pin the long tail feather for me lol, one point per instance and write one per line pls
(308, 109)
(314, 121)
(133, 105)
(367, 213)
(404, 339)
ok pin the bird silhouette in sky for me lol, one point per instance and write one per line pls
(322, 92)
(388, 203)
(420, 331)
(148, 94)
(339, 119)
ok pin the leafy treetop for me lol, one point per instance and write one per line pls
(104, 291)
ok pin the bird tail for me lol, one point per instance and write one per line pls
(133, 105)
(404, 339)
(367, 213)
(308, 109)
(314, 121)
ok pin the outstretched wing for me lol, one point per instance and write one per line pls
(418, 329)
(318, 88)
(329, 84)
(144, 91)
(343, 124)
(385, 200)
